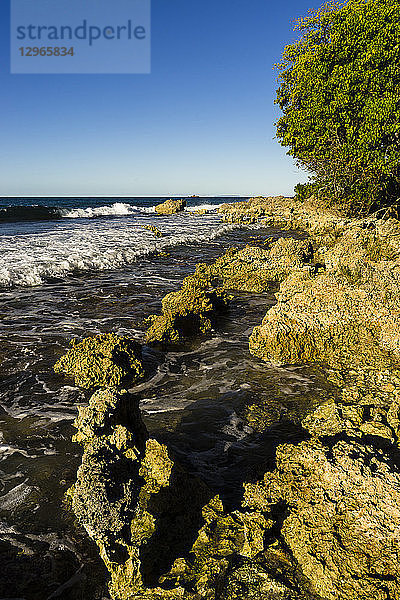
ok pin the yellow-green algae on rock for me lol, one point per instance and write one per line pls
(154, 230)
(368, 405)
(342, 522)
(325, 523)
(170, 207)
(193, 308)
(188, 311)
(157, 532)
(285, 213)
(346, 313)
(105, 359)
(252, 269)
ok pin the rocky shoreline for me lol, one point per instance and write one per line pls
(324, 522)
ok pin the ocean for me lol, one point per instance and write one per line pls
(75, 267)
(44, 239)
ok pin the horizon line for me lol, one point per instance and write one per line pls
(131, 196)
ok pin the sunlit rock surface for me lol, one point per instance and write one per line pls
(170, 207)
(194, 308)
(105, 359)
(342, 516)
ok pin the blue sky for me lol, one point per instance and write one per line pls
(200, 123)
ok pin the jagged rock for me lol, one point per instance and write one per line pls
(105, 359)
(325, 523)
(189, 311)
(105, 494)
(156, 533)
(252, 269)
(340, 526)
(322, 319)
(350, 312)
(250, 583)
(193, 308)
(230, 560)
(341, 516)
(132, 500)
(108, 409)
(153, 229)
(170, 207)
(369, 405)
(286, 213)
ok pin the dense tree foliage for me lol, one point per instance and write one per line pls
(340, 96)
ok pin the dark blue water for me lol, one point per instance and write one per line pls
(13, 210)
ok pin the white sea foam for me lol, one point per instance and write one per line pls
(203, 207)
(15, 496)
(93, 245)
(116, 209)
(123, 209)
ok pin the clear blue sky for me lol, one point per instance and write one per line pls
(200, 123)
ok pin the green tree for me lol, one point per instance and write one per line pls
(340, 96)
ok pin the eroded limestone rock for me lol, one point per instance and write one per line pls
(194, 307)
(156, 531)
(286, 213)
(170, 207)
(325, 523)
(252, 269)
(129, 496)
(346, 310)
(368, 405)
(189, 311)
(319, 319)
(342, 517)
(347, 314)
(105, 359)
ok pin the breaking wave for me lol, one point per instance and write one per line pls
(35, 212)
(33, 260)
(203, 207)
(117, 209)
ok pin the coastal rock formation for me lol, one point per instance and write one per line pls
(105, 359)
(285, 213)
(323, 320)
(247, 211)
(170, 207)
(154, 230)
(347, 312)
(128, 490)
(252, 269)
(368, 405)
(194, 307)
(324, 522)
(341, 509)
(157, 532)
(338, 492)
(108, 480)
(188, 311)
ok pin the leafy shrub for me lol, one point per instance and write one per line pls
(339, 93)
